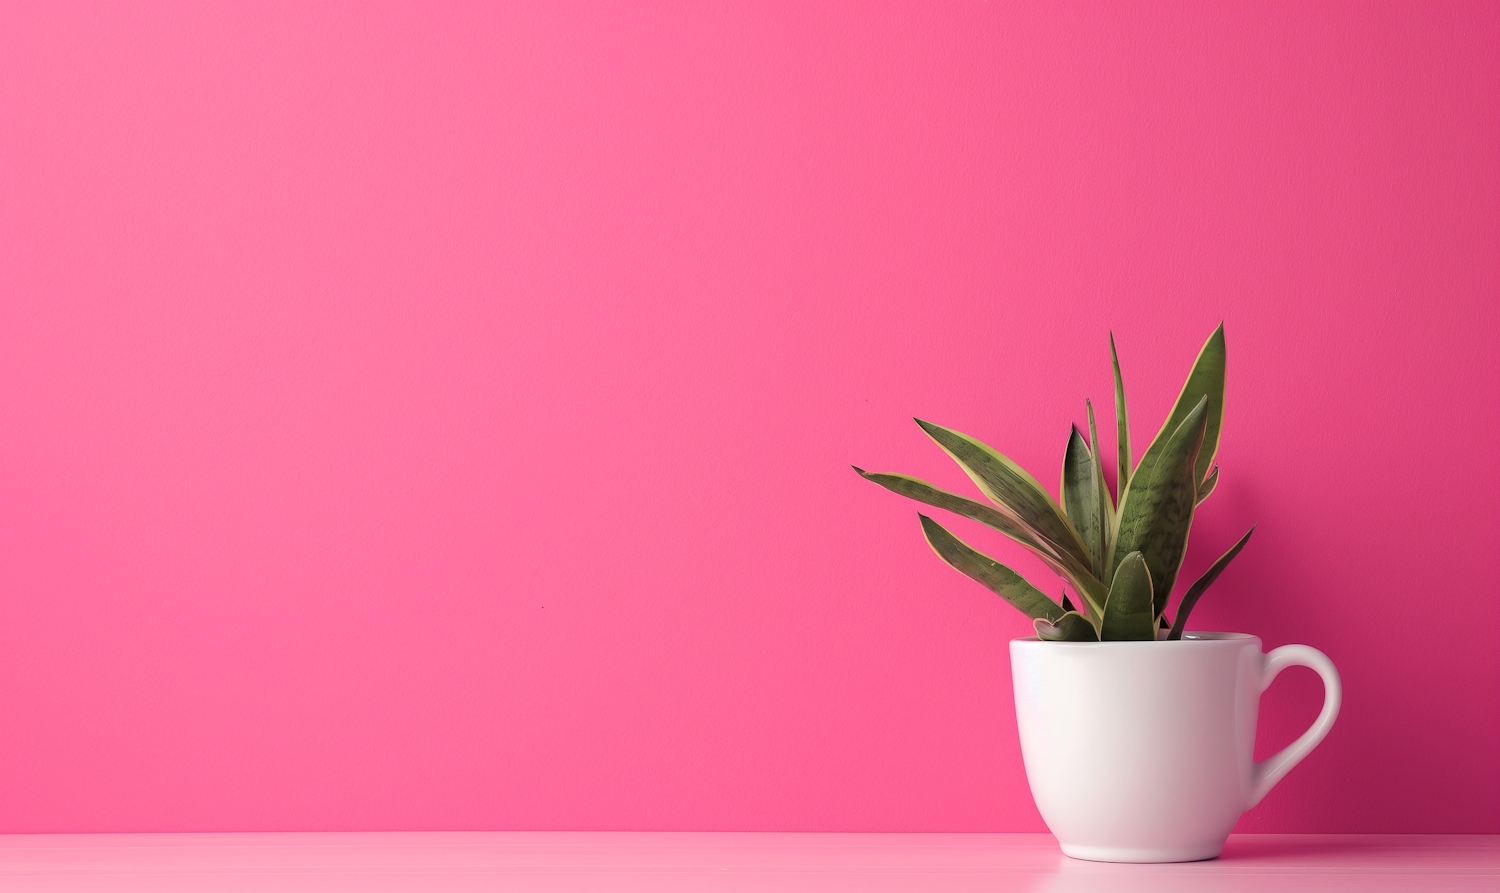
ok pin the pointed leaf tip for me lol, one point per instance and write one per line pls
(984, 513)
(1208, 484)
(1071, 627)
(1080, 500)
(1008, 485)
(1128, 614)
(1122, 430)
(1196, 591)
(990, 573)
(1206, 381)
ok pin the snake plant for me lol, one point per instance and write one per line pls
(1119, 554)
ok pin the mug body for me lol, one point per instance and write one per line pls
(1139, 751)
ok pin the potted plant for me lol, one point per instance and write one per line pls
(1137, 735)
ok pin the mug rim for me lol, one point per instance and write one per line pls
(1199, 638)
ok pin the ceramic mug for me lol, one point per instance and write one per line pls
(1143, 751)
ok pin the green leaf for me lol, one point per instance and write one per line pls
(1009, 486)
(1208, 485)
(1104, 568)
(1070, 627)
(1128, 615)
(1030, 505)
(983, 569)
(1094, 592)
(921, 491)
(1205, 381)
(1080, 497)
(1067, 605)
(1122, 427)
(1198, 588)
(1158, 512)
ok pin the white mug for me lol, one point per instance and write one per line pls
(1143, 751)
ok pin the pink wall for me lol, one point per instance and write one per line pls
(439, 416)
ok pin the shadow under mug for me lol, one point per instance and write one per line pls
(1144, 751)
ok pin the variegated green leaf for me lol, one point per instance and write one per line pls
(1067, 568)
(1070, 627)
(1088, 586)
(1009, 486)
(1104, 567)
(1198, 588)
(1122, 427)
(1080, 498)
(1208, 485)
(1158, 511)
(1128, 616)
(921, 491)
(985, 570)
(1205, 381)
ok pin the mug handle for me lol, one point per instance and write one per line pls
(1265, 774)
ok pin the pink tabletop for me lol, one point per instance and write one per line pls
(711, 861)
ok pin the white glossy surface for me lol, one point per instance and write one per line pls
(1143, 751)
(1270, 771)
(575, 862)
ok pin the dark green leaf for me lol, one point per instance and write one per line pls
(983, 569)
(1208, 485)
(1071, 627)
(1067, 568)
(1198, 588)
(1122, 427)
(1128, 615)
(921, 491)
(1093, 592)
(1009, 486)
(1205, 381)
(1103, 568)
(1158, 510)
(1080, 498)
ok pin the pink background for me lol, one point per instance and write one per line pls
(439, 416)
